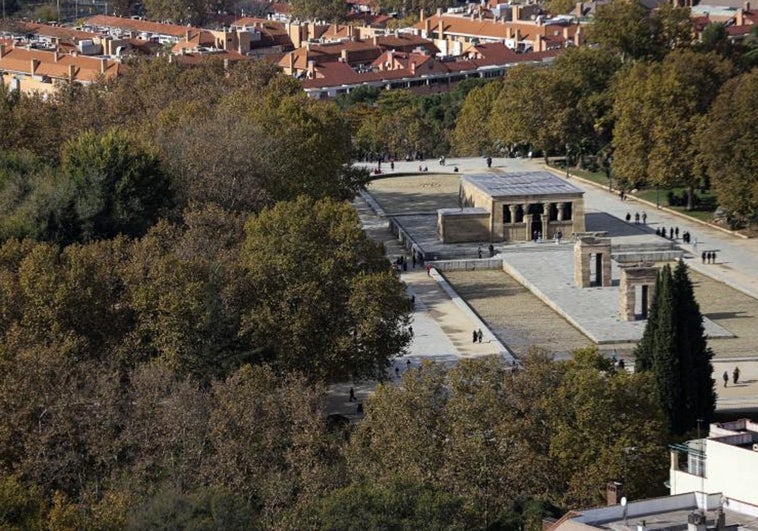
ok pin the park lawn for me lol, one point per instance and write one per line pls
(703, 211)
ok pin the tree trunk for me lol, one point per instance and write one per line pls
(690, 197)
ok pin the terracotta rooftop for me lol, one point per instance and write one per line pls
(335, 73)
(59, 32)
(57, 66)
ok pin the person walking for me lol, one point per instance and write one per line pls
(636, 218)
(479, 335)
(644, 217)
(736, 375)
(352, 396)
(475, 336)
(726, 378)
(628, 217)
(703, 256)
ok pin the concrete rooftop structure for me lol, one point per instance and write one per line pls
(528, 183)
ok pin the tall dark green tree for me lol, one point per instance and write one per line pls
(674, 348)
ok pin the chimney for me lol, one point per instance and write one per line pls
(427, 27)
(565, 33)
(696, 522)
(55, 56)
(33, 64)
(439, 11)
(413, 68)
(344, 55)
(375, 40)
(2, 51)
(538, 44)
(614, 491)
(739, 19)
(578, 40)
(747, 7)
(441, 29)
(517, 35)
(516, 12)
(103, 65)
(71, 72)
(422, 16)
(579, 9)
(291, 60)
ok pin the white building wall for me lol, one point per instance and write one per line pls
(731, 470)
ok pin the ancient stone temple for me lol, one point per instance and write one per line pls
(513, 207)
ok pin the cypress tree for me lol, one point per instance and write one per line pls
(695, 355)
(675, 349)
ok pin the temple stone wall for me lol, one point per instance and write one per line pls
(463, 225)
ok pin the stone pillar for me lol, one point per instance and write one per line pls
(560, 207)
(545, 217)
(513, 209)
(527, 221)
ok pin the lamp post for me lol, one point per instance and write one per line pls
(610, 173)
(657, 201)
(567, 161)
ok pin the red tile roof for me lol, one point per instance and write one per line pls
(57, 66)
(48, 30)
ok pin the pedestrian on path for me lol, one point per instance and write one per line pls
(479, 335)
(713, 255)
(636, 218)
(726, 378)
(428, 270)
(676, 232)
(475, 336)
(644, 217)
(628, 217)
(479, 251)
(352, 396)
(736, 375)
(703, 256)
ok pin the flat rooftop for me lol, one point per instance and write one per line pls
(515, 184)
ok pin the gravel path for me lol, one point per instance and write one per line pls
(515, 316)
(731, 309)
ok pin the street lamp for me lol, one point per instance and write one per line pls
(610, 172)
(567, 161)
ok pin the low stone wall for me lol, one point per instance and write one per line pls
(468, 265)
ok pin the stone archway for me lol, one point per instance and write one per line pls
(592, 259)
(637, 285)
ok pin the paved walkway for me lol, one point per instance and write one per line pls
(442, 325)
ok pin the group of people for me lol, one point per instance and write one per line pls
(491, 250)
(477, 335)
(637, 217)
(673, 234)
(735, 376)
(708, 257)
